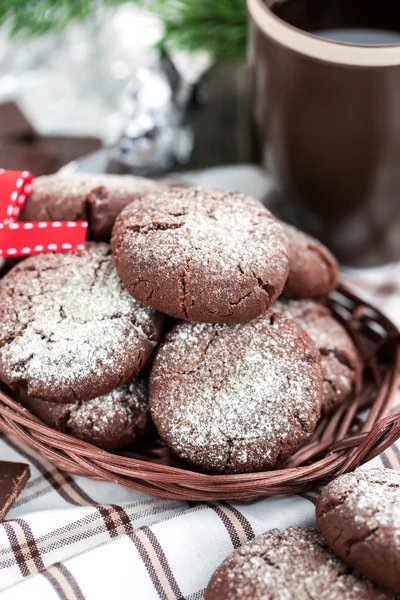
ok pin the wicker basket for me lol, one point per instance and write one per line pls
(354, 434)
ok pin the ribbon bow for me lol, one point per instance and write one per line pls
(36, 237)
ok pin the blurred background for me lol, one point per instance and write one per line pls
(143, 87)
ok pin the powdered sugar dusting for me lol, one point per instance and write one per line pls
(319, 323)
(371, 498)
(236, 398)
(98, 198)
(340, 360)
(63, 187)
(69, 328)
(112, 421)
(130, 398)
(293, 565)
(223, 249)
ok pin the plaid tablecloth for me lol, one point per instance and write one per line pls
(71, 538)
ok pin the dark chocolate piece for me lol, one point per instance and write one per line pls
(66, 148)
(13, 477)
(22, 148)
(13, 122)
(20, 155)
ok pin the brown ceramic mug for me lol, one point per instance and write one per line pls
(326, 77)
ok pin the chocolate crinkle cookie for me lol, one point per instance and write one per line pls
(236, 398)
(119, 419)
(339, 358)
(69, 330)
(201, 255)
(294, 565)
(313, 269)
(97, 198)
(359, 517)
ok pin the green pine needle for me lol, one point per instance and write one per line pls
(218, 26)
(34, 18)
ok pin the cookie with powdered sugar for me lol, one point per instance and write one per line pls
(313, 269)
(339, 357)
(69, 330)
(201, 255)
(95, 197)
(359, 517)
(295, 564)
(119, 419)
(236, 398)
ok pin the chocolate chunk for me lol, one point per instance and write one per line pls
(13, 122)
(22, 148)
(17, 156)
(13, 477)
(66, 148)
(43, 155)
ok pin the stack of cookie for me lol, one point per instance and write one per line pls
(74, 344)
(238, 382)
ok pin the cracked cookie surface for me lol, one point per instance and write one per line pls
(236, 398)
(114, 421)
(295, 564)
(69, 330)
(201, 255)
(339, 358)
(97, 198)
(313, 270)
(359, 516)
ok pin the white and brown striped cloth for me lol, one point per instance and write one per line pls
(71, 538)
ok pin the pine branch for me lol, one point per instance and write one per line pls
(34, 18)
(219, 26)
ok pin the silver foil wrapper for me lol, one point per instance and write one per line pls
(156, 137)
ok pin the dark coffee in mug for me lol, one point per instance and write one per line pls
(326, 86)
(371, 22)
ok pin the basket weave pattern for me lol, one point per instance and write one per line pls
(354, 434)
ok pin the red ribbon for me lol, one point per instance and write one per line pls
(14, 188)
(24, 239)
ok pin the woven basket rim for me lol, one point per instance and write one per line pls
(335, 448)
